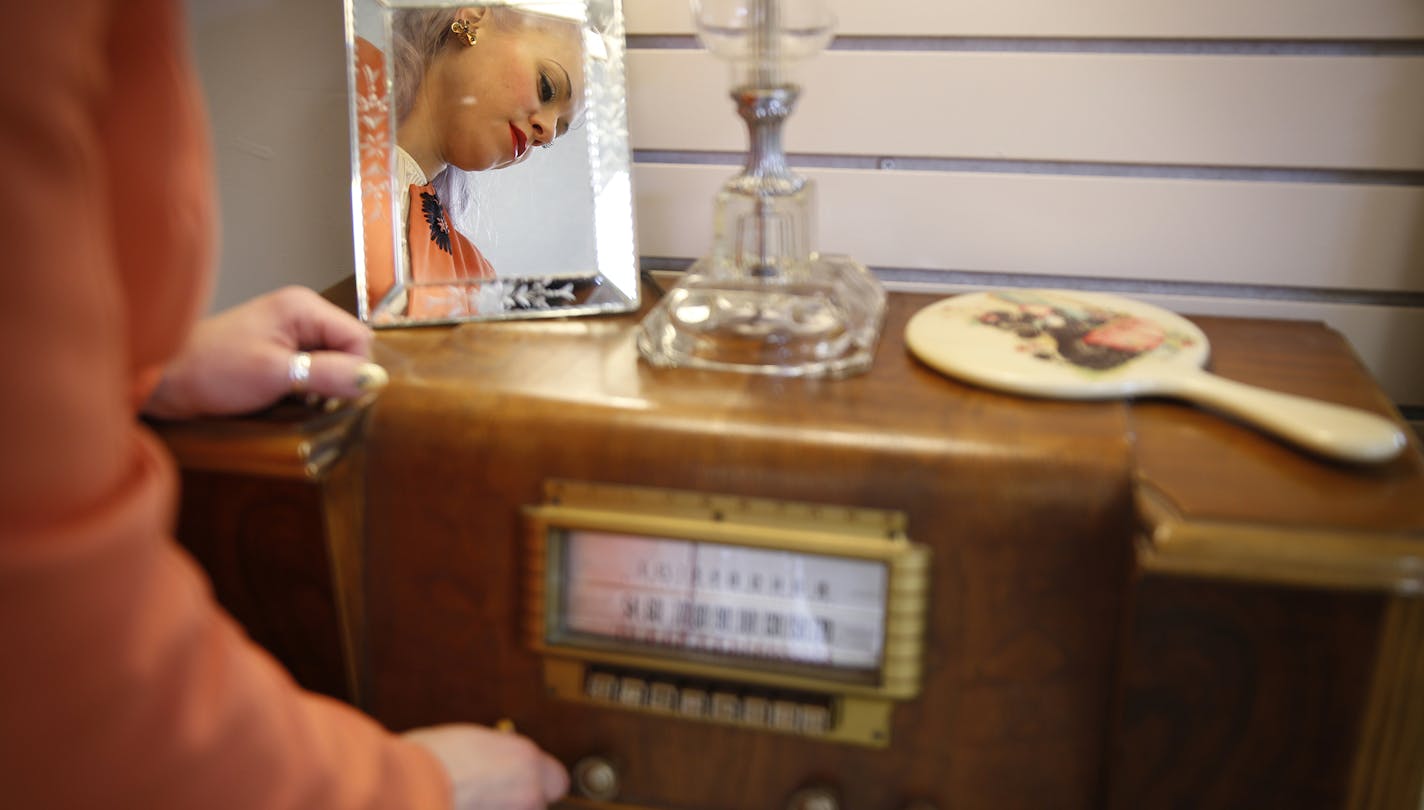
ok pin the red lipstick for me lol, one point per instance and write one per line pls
(521, 141)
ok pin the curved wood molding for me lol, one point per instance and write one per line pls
(1167, 542)
(288, 441)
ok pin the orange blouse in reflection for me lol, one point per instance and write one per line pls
(438, 256)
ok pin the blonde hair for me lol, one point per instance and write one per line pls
(417, 35)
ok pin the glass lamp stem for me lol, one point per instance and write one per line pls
(769, 239)
(766, 43)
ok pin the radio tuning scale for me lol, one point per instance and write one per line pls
(789, 617)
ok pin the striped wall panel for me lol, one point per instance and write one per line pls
(1262, 158)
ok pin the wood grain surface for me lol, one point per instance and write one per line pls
(1065, 665)
(1024, 508)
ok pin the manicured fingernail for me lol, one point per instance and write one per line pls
(371, 377)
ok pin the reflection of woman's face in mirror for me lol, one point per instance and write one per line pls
(441, 95)
(486, 105)
(474, 89)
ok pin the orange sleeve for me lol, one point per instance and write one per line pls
(122, 684)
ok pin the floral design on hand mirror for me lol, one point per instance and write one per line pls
(490, 171)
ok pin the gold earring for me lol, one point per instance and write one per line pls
(464, 31)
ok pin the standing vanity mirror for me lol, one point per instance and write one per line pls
(490, 167)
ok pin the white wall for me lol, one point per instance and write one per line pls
(274, 74)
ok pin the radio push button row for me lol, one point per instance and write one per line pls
(632, 691)
(602, 686)
(694, 702)
(596, 778)
(815, 719)
(783, 715)
(726, 707)
(662, 696)
(754, 710)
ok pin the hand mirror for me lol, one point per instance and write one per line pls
(1079, 345)
(489, 160)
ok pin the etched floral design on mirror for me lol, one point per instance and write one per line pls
(489, 160)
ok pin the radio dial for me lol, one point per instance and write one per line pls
(596, 778)
(816, 797)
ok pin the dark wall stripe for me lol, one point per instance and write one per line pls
(980, 165)
(931, 279)
(1207, 47)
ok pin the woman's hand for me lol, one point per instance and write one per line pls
(494, 770)
(241, 360)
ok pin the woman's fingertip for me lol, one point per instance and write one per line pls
(371, 377)
(555, 778)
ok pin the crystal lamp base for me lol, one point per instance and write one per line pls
(824, 322)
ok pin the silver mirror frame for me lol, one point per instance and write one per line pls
(519, 292)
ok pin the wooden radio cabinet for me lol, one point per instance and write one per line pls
(1121, 605)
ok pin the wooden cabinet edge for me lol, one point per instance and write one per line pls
(1169, 543)
(301, 449)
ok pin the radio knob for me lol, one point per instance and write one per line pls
(596, 778)
(816, 797)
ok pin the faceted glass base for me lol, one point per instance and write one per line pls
(823, 323)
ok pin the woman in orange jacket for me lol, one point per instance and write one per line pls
(122, 683)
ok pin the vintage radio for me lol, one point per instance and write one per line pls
(704, 590)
